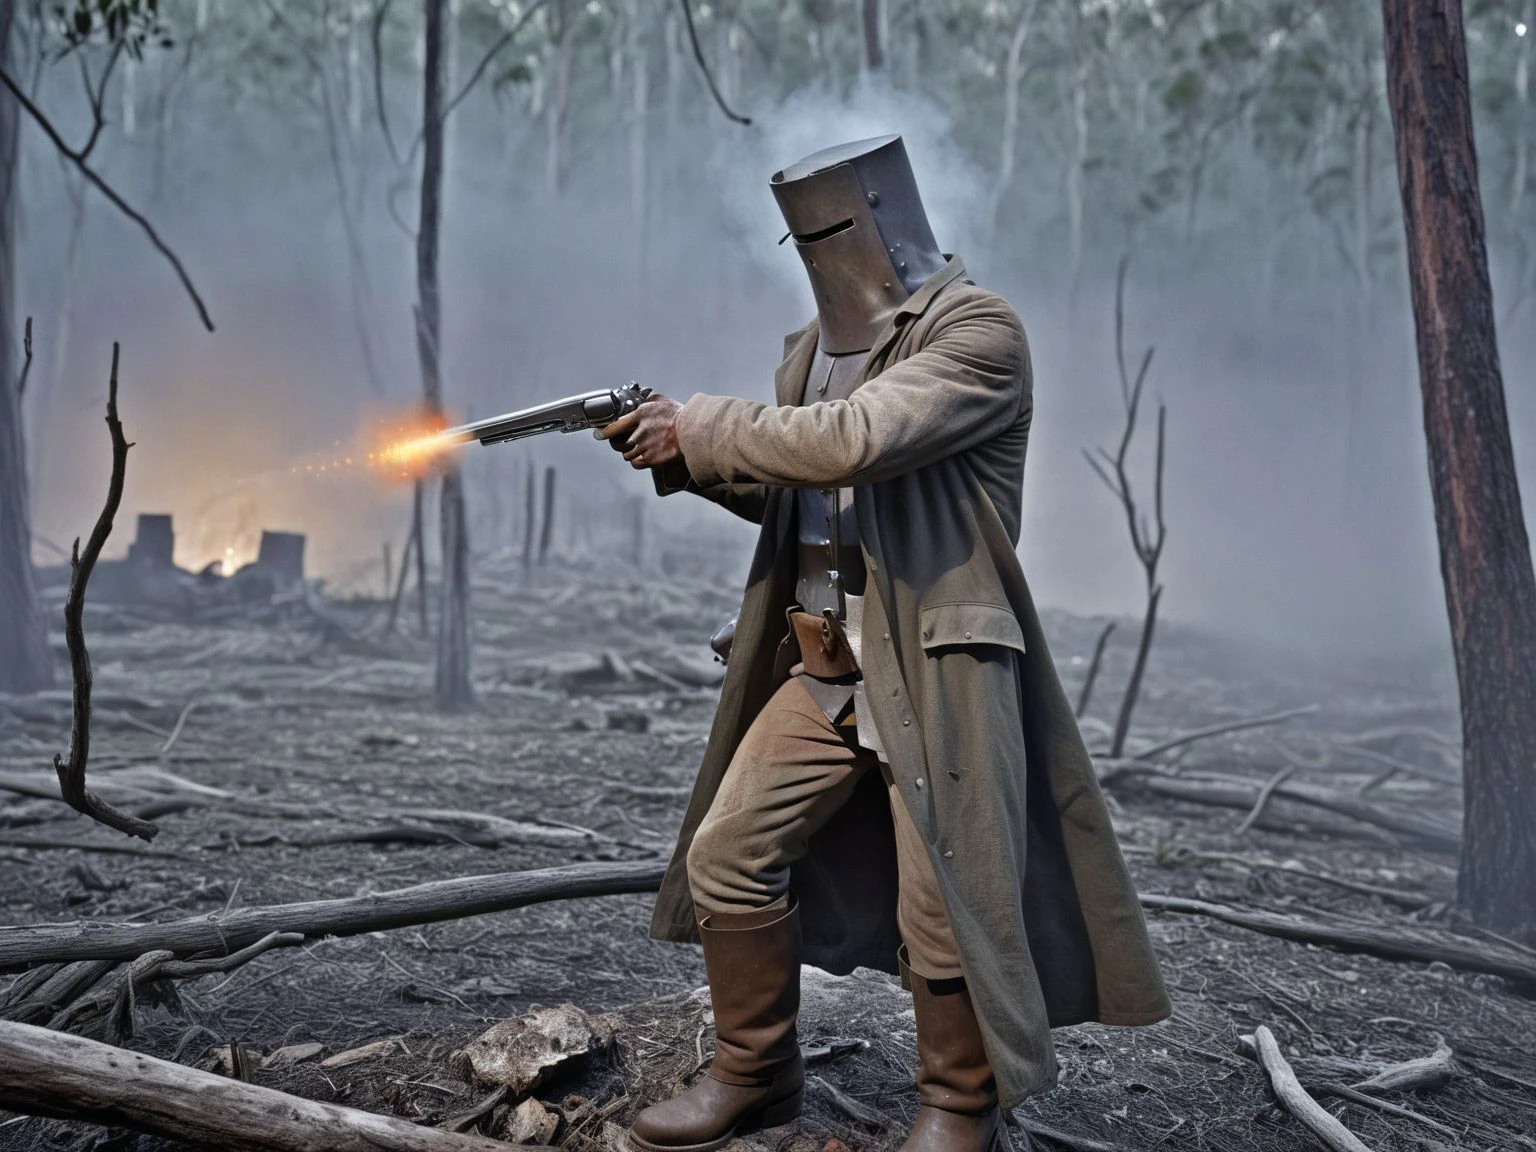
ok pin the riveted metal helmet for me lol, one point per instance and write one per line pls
(859, 226)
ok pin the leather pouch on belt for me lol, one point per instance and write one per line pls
(823, 645)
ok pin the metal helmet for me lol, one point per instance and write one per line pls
(858, 224)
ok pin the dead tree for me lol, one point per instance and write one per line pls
(71, 768)
(452, 684)
(1091, 676)
(25, 663)
(875, 35)
(530, 514)
(1146, 539)
(547, 532)
(1485, 554)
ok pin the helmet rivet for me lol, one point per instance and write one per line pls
(873, 198)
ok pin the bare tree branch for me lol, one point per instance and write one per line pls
(96, 94)
(72, 770)
(26, 365)
(709, 78)
(376, 35)
(78, 159)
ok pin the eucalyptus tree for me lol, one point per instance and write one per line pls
(122, 28)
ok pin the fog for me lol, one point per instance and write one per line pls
(1298, 506)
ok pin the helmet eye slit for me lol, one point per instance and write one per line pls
(823, 233)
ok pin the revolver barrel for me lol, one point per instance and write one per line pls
(569, 414)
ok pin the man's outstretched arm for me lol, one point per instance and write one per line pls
(968, 384)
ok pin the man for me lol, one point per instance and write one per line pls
(894, 777)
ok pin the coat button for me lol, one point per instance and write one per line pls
(919, 781)
(906, 723)
(885, 635)
(949, 855)
(967, 635)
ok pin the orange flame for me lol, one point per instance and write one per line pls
(408, 448)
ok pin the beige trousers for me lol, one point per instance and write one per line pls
(793, 770)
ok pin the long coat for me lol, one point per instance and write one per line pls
(980, 737)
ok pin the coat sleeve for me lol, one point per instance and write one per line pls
(967, 383)
(749, 501)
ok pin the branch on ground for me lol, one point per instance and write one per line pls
(1295, 1099)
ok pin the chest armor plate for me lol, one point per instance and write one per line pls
(831, 565)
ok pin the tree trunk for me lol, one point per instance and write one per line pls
(452, 684)
(558, 108)
(1077, 160)
(1007, 153)
(25, 662)
(547, 532)
(46, 407)
(1485, 556)
(639, 135)
(874, 35)
(530, 515)
(1521, 172)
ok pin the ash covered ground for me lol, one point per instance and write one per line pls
(308, 763)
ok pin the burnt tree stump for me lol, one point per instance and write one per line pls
(155, 542)
(282, 554)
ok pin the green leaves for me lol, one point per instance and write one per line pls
(129, 23)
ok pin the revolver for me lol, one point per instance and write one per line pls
(592, 410)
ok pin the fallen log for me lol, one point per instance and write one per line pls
(1221, 730)
(1235, 792)
(1178, 857)
(44, 1073)
(1425, 1073)
(1358, 936)
(428, 903)
(1294, 1098)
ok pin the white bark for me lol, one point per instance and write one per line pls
(1008, 146)
(1521, 174)
(1293, 1097)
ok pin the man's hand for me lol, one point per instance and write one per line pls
(648, 435)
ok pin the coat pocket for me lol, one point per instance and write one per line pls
(968, 623)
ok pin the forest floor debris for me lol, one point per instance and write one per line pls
(304, 740)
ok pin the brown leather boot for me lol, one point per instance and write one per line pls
(757, 1079)
(957, 1093)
